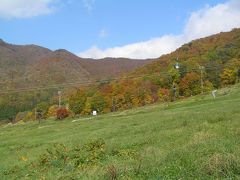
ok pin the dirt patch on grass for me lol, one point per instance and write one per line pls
(201, 137)
(223, 165)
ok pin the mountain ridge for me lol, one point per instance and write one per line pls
(33, 65)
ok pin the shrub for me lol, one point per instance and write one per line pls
(164, 95)
(79, 156)
(29, 117)
(20, 116)
(42, 110)
(62, 113)
(228, 76)
(52, 111)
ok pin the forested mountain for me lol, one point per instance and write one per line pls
(14, 59)
(204, 64)
(31, 65)
(108, 67)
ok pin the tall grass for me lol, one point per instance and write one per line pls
(197, 138)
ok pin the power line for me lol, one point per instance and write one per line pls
(67, 85)
(84, 83)
(54, 86)
(47, 76)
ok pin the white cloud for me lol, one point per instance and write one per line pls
(211, 20)
(205, 22)
(25, 8)
(146, 49)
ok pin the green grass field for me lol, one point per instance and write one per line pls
(195, 138)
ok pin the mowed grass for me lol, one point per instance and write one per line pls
(196, 138)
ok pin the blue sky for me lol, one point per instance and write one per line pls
(99, 28)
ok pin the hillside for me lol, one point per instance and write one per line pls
(31, 65)
(14, 59)
(194, 138)
(109, 67)
(215, 53)
(55, 68)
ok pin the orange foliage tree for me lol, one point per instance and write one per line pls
(190, 84)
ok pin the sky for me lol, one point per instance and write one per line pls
(115, 28)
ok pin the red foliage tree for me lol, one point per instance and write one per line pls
(62, 113)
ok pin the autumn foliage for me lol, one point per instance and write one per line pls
(229, 76)
(190, 84)
(62, 113)
(159, 81)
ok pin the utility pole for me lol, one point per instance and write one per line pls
(113, 104)
(174, 92)
(59, 98)
(201, 70)
(176, 66)
(35, 113)
(238, 75)
(34, 105)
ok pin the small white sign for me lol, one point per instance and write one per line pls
(94, 113)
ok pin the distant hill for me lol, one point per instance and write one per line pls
(31, 65)
(109, 67)
(14, 59)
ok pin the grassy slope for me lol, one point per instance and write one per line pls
(197, 137)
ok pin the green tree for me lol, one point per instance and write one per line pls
(88, 108)
(77, 102)
(42, 110)
(98, 102)
(228, 76)
(175, 75)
